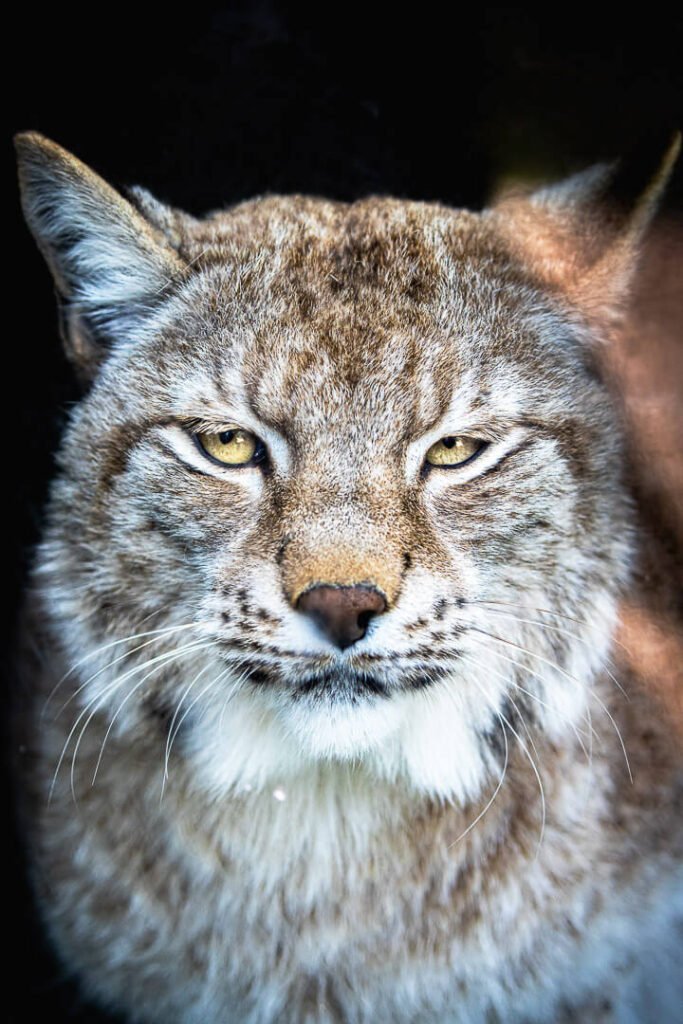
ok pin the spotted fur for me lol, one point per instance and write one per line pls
(231, 819)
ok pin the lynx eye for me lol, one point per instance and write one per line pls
(454, 451)
(232, 447)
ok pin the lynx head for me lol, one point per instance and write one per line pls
(346, 474)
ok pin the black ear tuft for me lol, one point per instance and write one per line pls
(643, 171)
(582, 235)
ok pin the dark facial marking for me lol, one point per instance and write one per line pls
(265, 616)
(260, 677)
(282, 547)
(160, 712)
(518, 715)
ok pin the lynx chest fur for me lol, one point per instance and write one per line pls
(323, 717)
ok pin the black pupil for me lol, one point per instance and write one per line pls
(448, 442)
(226, 436)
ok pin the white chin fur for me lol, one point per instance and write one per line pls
(427, 740)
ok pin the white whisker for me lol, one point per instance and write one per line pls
(175, 715)
(100, 699)
(536, 771)
(546, 611)
(229, 697)
(566, 632)
(125, 701)
(586, 689)
(172, 735)
(533, 696)
(496, 791)
(157, 634)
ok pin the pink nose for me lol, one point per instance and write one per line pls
(342, 612)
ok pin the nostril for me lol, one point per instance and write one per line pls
(364, 618)
(342, 613)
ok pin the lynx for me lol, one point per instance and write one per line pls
(322, 714)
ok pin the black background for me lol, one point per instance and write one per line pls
(209, 106)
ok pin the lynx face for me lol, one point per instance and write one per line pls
(346, 476)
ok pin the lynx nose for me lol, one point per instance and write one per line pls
(342, 612)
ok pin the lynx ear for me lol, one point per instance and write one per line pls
(108, 261)
(582, 236)
(170, 221)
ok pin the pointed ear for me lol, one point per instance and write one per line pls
(582, 236)
(108, 261)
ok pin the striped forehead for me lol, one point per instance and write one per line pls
(286, 340)
(364, 381)
(346, 374)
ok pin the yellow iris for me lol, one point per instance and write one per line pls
(233, 447)
(453, 451)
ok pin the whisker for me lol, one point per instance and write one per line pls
(568, 675)
(164, 659)
(227, 700)
(157, 634)
(172, 736)
(546, 611)
(175, 715)
(539, 700)
(100, 698)
(566, 632)
(137, 686)
(525, 749)
(199, 696)
(496, 791)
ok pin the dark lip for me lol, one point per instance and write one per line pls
(348, 684)
(330, 683)
(323, 683)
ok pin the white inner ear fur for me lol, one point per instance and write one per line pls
(106, 259)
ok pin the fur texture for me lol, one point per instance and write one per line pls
(457, 818)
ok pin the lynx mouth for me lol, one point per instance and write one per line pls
(327, 684)
(324, 685)
(332, 685)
